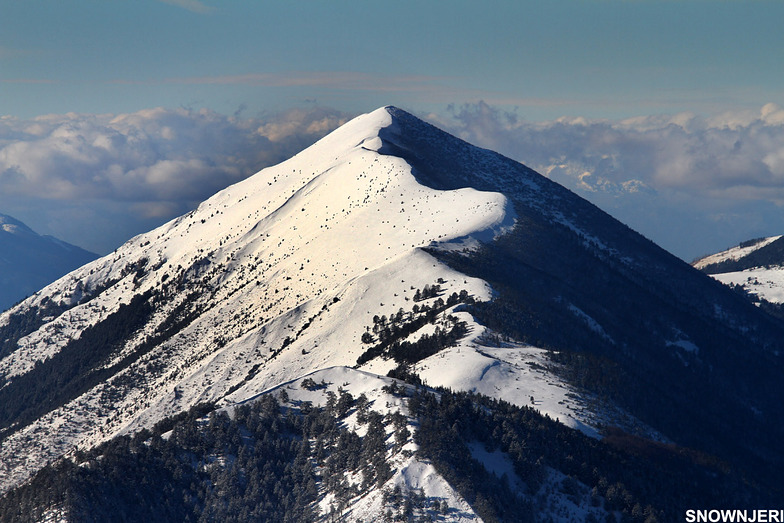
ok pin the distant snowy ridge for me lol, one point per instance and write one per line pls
(757, 266)
(14, 226)
(734, 253)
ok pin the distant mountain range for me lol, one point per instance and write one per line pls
(29, 261)
(392, 324)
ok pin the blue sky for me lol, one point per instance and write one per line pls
(596, 84)
(600, 58)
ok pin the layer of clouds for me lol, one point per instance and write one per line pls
(155, 163)
(692, 183)
(738, 155)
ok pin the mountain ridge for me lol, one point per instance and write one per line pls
(754, 269)
(752, 254)
(201, 264)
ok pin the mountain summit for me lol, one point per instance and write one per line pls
(269, 279)
(392, 246)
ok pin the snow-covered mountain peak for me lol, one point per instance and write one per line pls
(13, 226)
(391, 248)
(300, 256)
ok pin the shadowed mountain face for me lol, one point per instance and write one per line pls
(632, 322)
(390, 245)
(29, 261)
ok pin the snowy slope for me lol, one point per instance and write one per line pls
(755, 265)
(767, 284)
(410, 473)
(268, 280)
(734, 253)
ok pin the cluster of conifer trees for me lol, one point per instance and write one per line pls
(391, 332)
(632, 477)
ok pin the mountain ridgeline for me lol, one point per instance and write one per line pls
(763, 252)
(753, 269)
(391, 247)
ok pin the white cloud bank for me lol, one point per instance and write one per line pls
(739, 155)
(692, 184)
(153, 164)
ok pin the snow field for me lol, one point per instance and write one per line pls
(735, 253)
(767, 284)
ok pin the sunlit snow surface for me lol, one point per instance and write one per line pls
(764, 282)
(734, 253)
(767, 284)
(286, 270)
